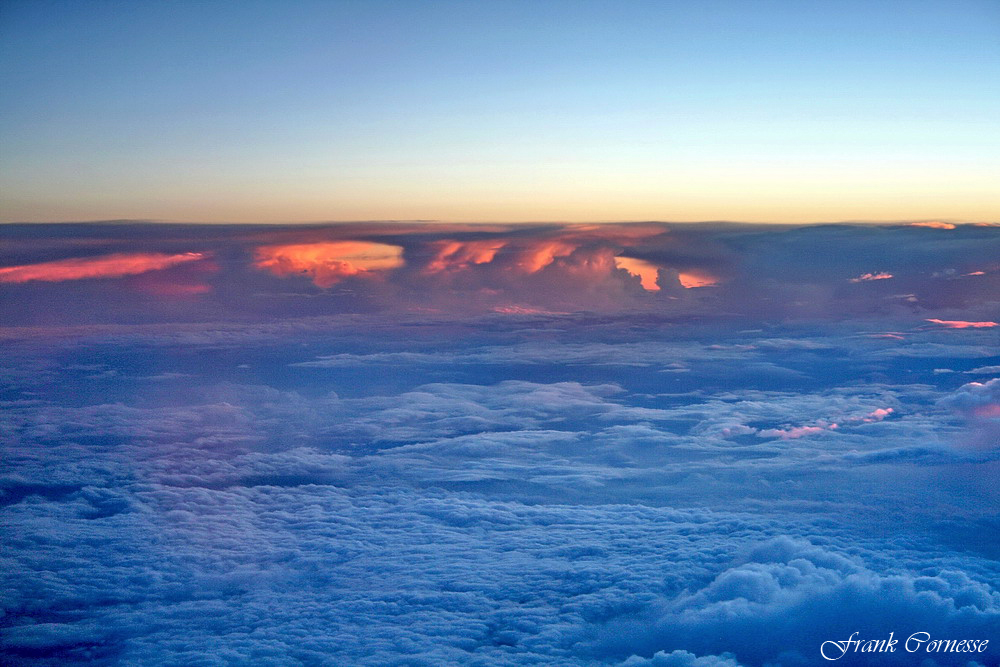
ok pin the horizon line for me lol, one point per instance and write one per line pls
(420, 221)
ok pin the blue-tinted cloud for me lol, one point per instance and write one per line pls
(372, 485)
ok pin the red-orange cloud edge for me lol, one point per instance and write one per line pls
(106, 266)
(962, 324)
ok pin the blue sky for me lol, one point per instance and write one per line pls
(762, 111)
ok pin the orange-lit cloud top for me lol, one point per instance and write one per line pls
(451, 255)
(962, 324)
(882, 275)
(524, 257)
(330, 262)
(692, 279)
(646, 272)
(934, 224)
(106, 266)
(531, 254)
(536, 256)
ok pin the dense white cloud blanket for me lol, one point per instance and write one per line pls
(596, 486)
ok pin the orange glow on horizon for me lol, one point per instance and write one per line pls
(646, 272)
(330, 262)
(933, 225)
(106, 266)
(962, 324)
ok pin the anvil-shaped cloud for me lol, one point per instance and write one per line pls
(328, 263)
(104, 266)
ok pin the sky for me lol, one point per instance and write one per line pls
(770, 111)
(422, 444)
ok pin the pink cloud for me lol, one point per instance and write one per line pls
(882, 275)
(330, 262)
(933, 224)
(795, 431)
(987, 411)
(457, 255)
(962, 324)
(877, 415)
(106, 266)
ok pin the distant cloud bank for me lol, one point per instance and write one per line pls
(826, 272)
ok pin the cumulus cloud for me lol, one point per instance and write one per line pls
(789, 596)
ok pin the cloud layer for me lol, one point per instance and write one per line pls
(419, 445)
(949, 277)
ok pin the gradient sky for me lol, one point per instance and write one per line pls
(257, 111)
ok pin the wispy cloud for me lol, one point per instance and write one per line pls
(105, 266)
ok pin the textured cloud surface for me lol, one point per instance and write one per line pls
(947, 277)
(638, 445)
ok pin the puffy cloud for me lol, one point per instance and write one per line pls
(979, 403)
(976, 399)
(789, 596)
